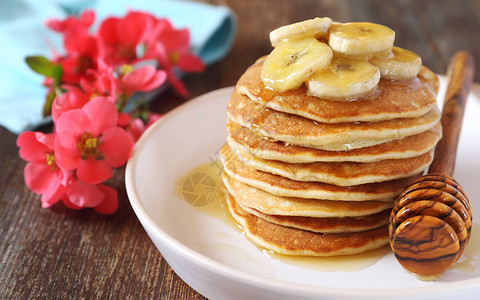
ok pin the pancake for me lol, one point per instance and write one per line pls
(391, 99)
(290, 206)
(282, 186)
(341, 173)
(325, 225)
(292, 241)
(300, 131)
(245, 140)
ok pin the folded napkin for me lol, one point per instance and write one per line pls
(23, 33)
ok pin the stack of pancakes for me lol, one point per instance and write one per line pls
(307, 176)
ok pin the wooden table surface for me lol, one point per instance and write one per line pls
(58, 253)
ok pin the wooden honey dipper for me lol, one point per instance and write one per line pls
(431, 220)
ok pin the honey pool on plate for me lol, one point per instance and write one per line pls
(201, 188)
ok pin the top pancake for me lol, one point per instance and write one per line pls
(391, 99)
(301, 131)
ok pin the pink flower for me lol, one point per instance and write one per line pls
(124, 119)
(72, 98)
(136, 127)
(121, 36)
(152, 118)
(143, 79)
(89, 141)
(102, 198)
(85, 19)
(42, 173)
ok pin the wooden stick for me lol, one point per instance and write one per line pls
(460, 76)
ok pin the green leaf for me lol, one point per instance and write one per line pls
(57, 74)
(40, 65)
(47, 107)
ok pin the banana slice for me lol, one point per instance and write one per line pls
(293, 61)
(361, 40)
(345, 79)
(402, 64)
(314, 28)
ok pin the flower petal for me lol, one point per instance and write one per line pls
(75, 38)
(40, 178)
(82, 194)
(116, 146)
(67, 158)
(175, 40)
(137, 78)
(124, 119)
(134, 27)
(110, 203)
(177, 85)
(190, 63)
(70, 126)
(72, 98)
(102, 114)
(30, 147)
(135, 129)
(45, 139)
(93, 171)
(154, 81)
(87, 17)
(108, 30)
(70, 205)
(52, 196)
(152, 118)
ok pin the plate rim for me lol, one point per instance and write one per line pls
(254, 279)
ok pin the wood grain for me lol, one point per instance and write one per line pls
(460, 76)
(63, 254)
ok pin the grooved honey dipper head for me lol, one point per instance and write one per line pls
(430, 225)
(431, 220)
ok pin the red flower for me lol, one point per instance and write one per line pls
(89, 141)
(97, 79)
(152, 118)
(72, 98)
(82, 53)
(100, 81)
(121, 36)
(102, 198)
(171, 48)
(143, 79)
(42, 173)
(85, 19)
(136, 127)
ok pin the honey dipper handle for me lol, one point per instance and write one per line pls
(460, 76)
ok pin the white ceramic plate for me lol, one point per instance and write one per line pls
(220, 263)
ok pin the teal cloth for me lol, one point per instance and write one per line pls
(23, 33)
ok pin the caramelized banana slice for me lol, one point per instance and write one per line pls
(400, 65)
(309, 28)
(361, 40)
(293, 61)
(344, 79)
